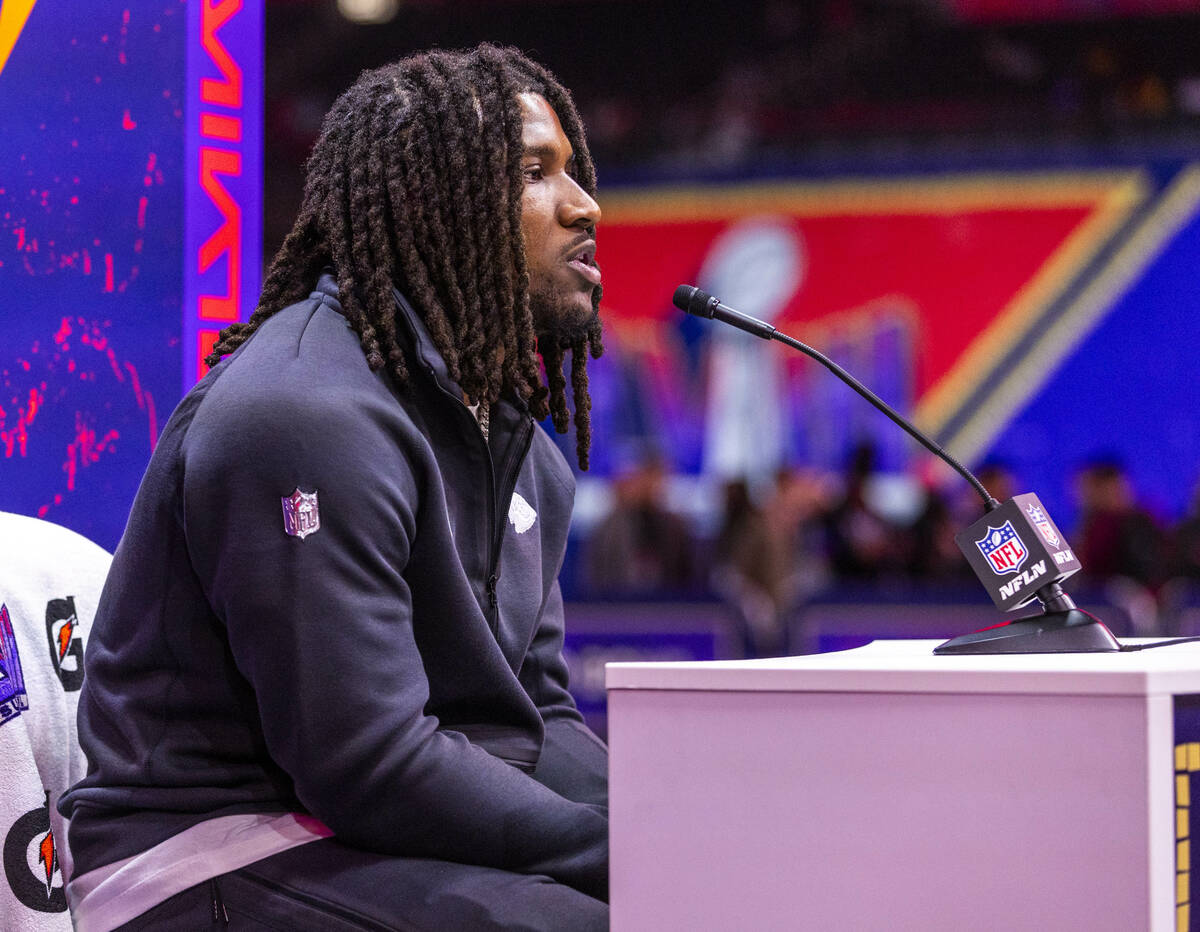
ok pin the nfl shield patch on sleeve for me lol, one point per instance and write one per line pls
(301, 516)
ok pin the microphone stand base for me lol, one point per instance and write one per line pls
(1069, 632)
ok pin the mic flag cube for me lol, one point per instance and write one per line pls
(1015, 550)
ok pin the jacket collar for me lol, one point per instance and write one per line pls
(414, 329)
(413, 332)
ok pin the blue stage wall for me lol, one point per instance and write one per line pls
(112, 236)
(1130, 388)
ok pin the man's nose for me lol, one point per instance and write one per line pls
(578, 208)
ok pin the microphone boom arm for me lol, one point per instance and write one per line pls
(701, 304)
(928, 442)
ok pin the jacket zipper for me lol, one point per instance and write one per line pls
(512, 466)
(495, 519)
(220, 915)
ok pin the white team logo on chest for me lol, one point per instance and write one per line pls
(521, 514)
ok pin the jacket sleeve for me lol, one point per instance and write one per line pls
(321, 628)
(573, 762)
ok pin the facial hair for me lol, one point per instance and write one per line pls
(554, 324)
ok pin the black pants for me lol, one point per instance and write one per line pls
(330, 887)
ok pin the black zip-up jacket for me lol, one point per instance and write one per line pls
(397, 673)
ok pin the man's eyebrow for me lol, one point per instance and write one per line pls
(545, 150)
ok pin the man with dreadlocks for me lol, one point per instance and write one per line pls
(325, 686)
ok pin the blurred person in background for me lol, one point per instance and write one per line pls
(750, 567)
(1116, 536)
(1186, 543)
(935, 557)
(1180, 595)
(863, 544)
(767, 559)
(794, 513)
(641, 547)
(1121, 546)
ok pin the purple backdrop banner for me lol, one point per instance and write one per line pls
(130, 167)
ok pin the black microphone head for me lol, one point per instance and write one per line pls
(691, 299)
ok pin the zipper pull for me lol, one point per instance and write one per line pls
(220, 914)
(491, 590)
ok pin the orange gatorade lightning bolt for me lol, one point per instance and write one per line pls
(49, 857)
(64, 639)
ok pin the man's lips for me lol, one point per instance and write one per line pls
(583, 260)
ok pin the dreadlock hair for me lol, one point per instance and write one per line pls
(416, 182)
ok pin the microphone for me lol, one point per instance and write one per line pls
(691, 299)
(1015, 550)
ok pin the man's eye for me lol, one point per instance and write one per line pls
(533, 173)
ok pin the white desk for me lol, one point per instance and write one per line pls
(886, 788)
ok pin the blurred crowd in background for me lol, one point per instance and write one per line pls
(778, 547)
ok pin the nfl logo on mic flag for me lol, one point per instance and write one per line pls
(1015, 550)
(1003, 548)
